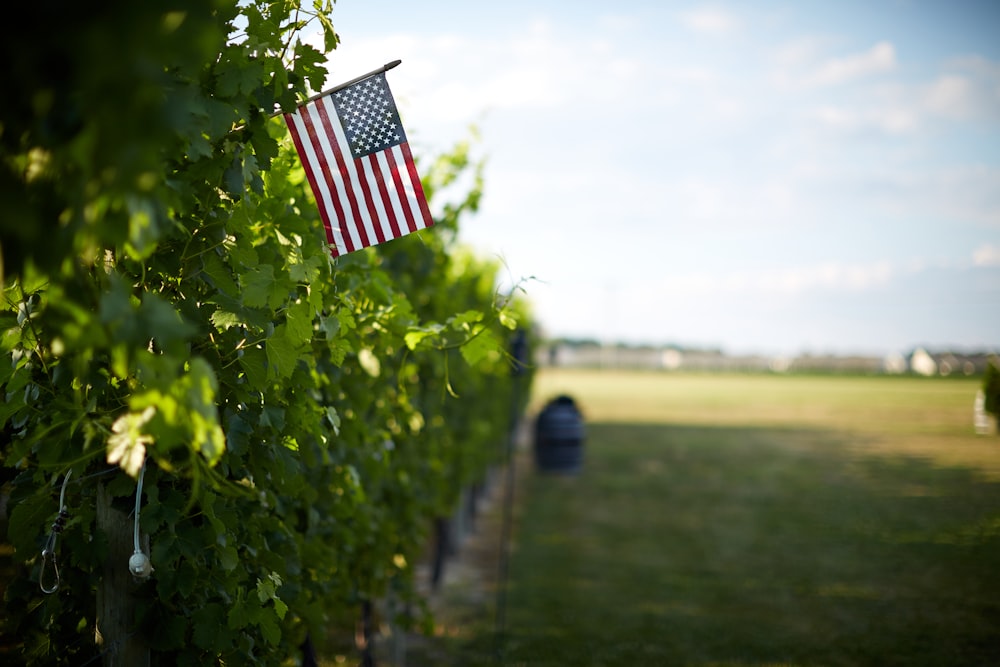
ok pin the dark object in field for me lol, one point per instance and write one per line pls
(559, 436)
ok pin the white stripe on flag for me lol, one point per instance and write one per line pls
(394, 200)
(411, 201)
(367, 172)
(359, 217)
(341, 218)
(313, 169)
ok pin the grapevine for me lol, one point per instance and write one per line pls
(169, 303)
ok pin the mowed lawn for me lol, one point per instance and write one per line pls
(758, 520)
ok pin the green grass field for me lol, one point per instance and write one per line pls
(757, 520)
(925, 417)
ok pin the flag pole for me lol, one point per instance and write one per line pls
(281, 112)
(384, 68)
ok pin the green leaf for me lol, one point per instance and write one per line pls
(207, 622)
(303, 269)
(234, 79)
(257, 285)
(207, 437)
(507, 320)
(273, 416)
(244, 255)
(308, 61)
(339, 349)
(269, 629)
(347, 321)
(329, 326)
(233, 178)
(251, 173)
(254, 364)
(223, 319)
(162, 321)
(282, 352)
(219, 274)
(300, 323)
(128, 442)
(143, 227)
(228, 558)
(266, 588)
(369, 362)
(280, 608)
(199, 147)
(238, 432)
(480, 347)
(14, 404)
(187, 577)
(414, 337)
(265, 148)
(334, 418)
(30, 519)
(238, 617)
(464, 321)
(117, 312)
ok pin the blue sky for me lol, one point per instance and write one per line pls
(776, 177)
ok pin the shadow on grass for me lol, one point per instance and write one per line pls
(693, 545)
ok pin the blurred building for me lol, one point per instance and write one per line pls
(593, 354)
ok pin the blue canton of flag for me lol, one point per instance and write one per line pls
(369, 117)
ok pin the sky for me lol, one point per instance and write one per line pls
(766, 177)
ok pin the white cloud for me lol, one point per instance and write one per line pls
(969, 89)
(986, 255)
(712, 21)
(950, 95)
(455, 78)
(892, 120)
(799, 52)
(952, 195)
(618, 23)
(794, 281)
(722, 204)
(879, 59)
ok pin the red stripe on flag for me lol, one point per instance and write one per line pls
(322, 159)
(418, 189)
(364, 180)
(400, 190)
(383, 191)
(355, 222)
(310, 176)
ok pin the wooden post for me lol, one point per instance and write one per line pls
(121, 645)
(442, 538)
(365, 634)
(397, 647)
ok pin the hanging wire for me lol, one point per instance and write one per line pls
(139, 564)
(519, 352)
(49, 552)
(138, 503)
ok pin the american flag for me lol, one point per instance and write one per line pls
(359, 165)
